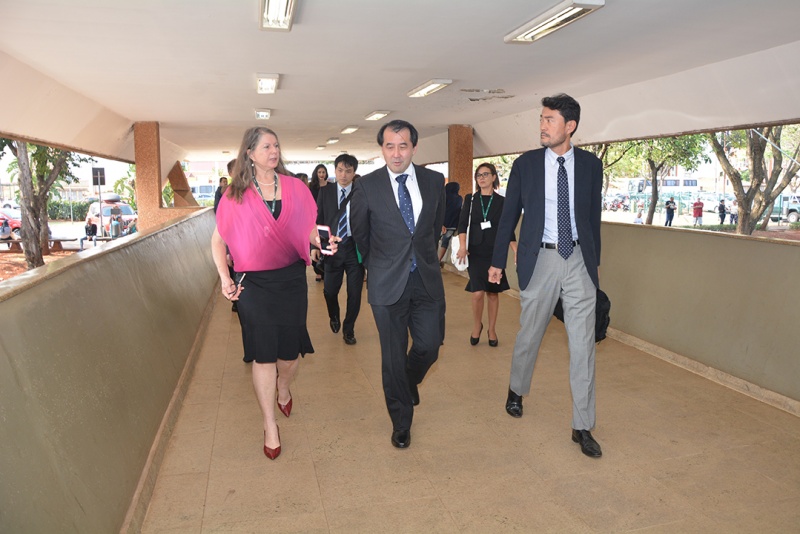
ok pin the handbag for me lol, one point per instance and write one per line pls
(455, 246)
(602, 315)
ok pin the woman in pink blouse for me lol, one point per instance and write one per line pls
(266, 219)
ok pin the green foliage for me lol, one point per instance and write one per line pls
(167, 195)
(794, 226)
(60, 210)
(502, 164)
(125, 187)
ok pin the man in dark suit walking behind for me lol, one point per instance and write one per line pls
(558, 255)
(396, 215)
(333, 211)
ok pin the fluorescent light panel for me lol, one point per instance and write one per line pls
(429, 87)
(277, 14)
(349, 129)
(263, 114)
(266, 84)
(332, 140)
(376, 115)
(320, 147)
(553, 19)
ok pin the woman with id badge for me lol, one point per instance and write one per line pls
(480, 216)
(267, 220)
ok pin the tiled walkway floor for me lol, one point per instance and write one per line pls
(681, 453)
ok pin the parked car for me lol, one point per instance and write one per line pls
(10, 204)
(14, 218)
(110, 205)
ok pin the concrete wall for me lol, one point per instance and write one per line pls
(91, 351)
(729, 302)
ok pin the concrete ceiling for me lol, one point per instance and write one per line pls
(79, 73)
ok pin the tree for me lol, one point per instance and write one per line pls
(763, 146)
(613, 156)
(125, 187)
(660, 154)
(38, 168)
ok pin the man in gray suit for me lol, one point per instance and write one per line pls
(396, 214)
(558, 255)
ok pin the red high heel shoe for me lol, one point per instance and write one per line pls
(272, 453)
(286, 409)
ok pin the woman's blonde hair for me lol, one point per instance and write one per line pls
(243, 175)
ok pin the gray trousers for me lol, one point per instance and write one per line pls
(554, 277)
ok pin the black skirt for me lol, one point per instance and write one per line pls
(273, 307)
(478, 270)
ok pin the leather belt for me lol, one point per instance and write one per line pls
(555, 245)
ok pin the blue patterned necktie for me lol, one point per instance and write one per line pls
(407, 211)
(565, 245)
(342, 230)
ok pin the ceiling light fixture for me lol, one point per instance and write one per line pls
(376, 115)
(332, 140)
(263, 114)
(553, 19)
(429, 87)
(277, 14)
(320, 147)
(266, 84)
(349, 129)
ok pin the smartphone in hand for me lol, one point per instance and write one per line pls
(324, 239)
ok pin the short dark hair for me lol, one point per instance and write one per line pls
(493, 170)
(347, 159)
(397, 125)
(566, 105)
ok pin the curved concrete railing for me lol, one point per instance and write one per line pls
(92, 349)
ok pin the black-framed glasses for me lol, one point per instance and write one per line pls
(486, 174)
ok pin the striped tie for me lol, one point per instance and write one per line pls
(342, 232)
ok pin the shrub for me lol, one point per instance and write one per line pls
(59, 210)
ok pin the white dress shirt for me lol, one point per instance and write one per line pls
(413, 190)
(551, 194)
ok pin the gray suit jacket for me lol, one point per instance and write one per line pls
(526, 191)
(384, 240)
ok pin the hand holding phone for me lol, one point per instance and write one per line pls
(324, 239)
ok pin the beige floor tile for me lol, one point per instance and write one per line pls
(680, 453)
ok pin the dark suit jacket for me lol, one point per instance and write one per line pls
(477, 236)
(384, 240)
(526, 191)
(328, 214)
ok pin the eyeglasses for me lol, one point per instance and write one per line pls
(486, 174)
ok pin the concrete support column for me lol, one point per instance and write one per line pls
(460, 154)
(147, 153)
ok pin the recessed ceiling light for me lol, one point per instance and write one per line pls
(332, 140)
(267, 83)
(277, 14)
(320, 147)
(553, 19)
(429, 87)
(349, 129)
(263, 114)
(376, 115)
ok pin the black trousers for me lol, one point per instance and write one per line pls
(416, 312)
(344, 261)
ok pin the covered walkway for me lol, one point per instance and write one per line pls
(681, 453)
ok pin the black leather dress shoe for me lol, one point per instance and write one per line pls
(335, 325)
(401, 438)
(514, 404)
(349, 338)
(414, 393)
(589, 446)
(493, 342)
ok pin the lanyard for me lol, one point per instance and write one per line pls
(274, 197)
(486, 210)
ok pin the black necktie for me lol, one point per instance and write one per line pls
(342, 231)
(565, 245)
(406, 210)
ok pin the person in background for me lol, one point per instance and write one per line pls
(670, 209)
(267, 220)
(115, 227)
(734, 213)
(223, 184)
(7, 236)
(302, 176)
(452, 211)
(722, 210)
(485, 208)
(638, 219)
(319, 179)
(90, 230)
(697, 212)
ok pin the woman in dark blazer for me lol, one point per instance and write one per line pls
(485, 206)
